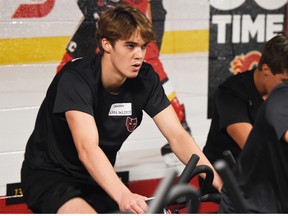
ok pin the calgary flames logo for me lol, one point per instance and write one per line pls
(242, 63)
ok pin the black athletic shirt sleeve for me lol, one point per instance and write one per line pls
(232, 108)
(157, 100)
(73, 93)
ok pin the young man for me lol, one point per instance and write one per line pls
(92, 105)
(237, 101)
(262, 168)
(84, 42)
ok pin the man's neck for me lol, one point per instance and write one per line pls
(111, 79)
(258, 77)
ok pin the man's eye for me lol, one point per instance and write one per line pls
(130, 46)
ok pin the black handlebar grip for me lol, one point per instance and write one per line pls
(188, 192)
(231, 185)
(229, 158)
(157, 204)
(187, 173)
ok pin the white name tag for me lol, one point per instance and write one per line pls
(120, 109)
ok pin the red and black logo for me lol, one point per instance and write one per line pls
(131, 124)
(244, 62)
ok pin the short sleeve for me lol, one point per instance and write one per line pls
(231, 108)
(157, 100)
(73, 93)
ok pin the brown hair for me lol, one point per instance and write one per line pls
(275, 54)
(121, 22)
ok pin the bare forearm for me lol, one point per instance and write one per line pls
(103, 173)
(85, 135)
(185, 147)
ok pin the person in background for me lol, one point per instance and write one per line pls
(84, 42)
(261, 169)
(91, 107)
(237, 101)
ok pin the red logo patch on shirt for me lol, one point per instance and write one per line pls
(131, 124)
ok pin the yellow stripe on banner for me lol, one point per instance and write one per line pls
(175, 42)
(52, 49)
(32, 50)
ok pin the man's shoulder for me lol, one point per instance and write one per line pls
(83, 68)
(85, 62)
(147, 72)
(239, 77)
(238, 82)
(280, 89)
(278, 95)
(146, 68)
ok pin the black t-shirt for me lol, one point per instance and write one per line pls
(236, 100)
(78, 86)
(262, 168)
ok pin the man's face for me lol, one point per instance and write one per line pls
(127, 56)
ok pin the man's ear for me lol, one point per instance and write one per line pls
(106, 45)
(266, 69)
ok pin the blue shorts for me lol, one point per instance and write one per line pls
(46, 191)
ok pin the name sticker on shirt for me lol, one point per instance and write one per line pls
(120, 109)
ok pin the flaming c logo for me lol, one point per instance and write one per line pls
(34, 9)
(242, 63)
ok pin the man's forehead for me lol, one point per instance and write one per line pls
(134, 40)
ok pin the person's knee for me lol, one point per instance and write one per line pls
(76, 205)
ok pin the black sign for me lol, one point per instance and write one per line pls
(124, 176)
(238, 31)
(14, 194)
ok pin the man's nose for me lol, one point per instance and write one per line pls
(139, 53)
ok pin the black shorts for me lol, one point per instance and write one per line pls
(46, 191)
